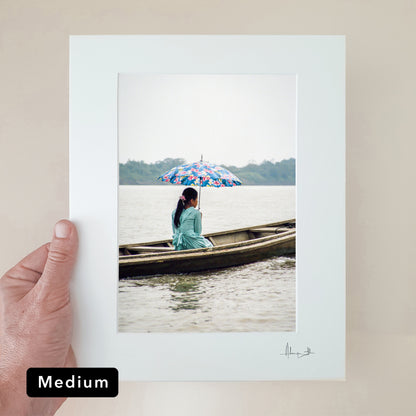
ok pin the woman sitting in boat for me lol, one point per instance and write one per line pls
(186, 223)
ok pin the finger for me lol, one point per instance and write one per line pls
(61, 257)
(30, 268)
(20, 280)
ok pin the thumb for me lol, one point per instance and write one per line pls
(61, 257)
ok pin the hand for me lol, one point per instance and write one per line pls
(36, 321)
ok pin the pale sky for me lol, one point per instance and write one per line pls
(230, 119)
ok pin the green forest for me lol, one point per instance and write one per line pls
(266, 173)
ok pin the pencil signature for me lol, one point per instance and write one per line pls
(288, 352)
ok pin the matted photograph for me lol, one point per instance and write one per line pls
(207, 202)
(207, 183)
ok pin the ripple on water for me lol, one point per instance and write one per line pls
(251, 298)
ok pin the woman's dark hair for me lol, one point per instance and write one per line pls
(188, 193)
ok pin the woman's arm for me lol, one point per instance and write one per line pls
(197, 222)
(173, 223)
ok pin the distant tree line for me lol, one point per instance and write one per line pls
(266, 173)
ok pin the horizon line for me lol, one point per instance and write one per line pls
(250, 162)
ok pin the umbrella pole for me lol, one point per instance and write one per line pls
(199, 199)
(200, 183)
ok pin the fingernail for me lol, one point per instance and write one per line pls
(62, 229)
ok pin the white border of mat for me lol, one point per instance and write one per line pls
(319, 63)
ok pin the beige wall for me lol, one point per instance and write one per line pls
(381, 202)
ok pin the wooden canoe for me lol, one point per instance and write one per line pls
(230, 248)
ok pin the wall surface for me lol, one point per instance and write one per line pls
(381, 227)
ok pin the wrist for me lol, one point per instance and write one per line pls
(13, 398)
(15, 402)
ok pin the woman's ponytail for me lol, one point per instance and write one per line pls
(179, 208)
(187, 195)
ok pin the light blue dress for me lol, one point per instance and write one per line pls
(188, 234)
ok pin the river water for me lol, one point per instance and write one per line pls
(256, 297)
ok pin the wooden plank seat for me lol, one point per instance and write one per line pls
(271, 230)
(150, 249)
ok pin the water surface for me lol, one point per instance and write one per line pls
(254, 297)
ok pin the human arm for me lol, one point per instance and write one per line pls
(36, 321)
(198, 222)
(173, 222)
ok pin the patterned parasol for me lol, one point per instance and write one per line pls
(200, 174)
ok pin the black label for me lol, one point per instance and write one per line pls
(72, 382)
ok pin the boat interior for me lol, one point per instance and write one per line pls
(225, 238)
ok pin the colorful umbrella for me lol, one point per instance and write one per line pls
(200, 174)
